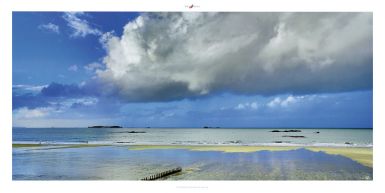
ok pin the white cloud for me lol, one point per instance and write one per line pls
(25, 113)
(55, 108)
(64, 105)
(73, 68)
(105, 38)
(80, 27)
(170, 56)
(92, 67)
(254, 105)
(278, 102)
(289, 100)
(247, 105)
(63, 122)
(28, 88)
(275, 102)
(86, 101)
(240, 106)
(50, 27)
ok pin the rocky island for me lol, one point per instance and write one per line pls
(100, 126)
(290, 130)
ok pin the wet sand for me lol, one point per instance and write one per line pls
(133, 162)
(362, 155)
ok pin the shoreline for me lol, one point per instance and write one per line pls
(362, 155)
(124, 143)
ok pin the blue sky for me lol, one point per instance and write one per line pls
(192, 69)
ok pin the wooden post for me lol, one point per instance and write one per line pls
(163, 174)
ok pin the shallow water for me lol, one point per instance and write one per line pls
(120, 163)
(195, 136)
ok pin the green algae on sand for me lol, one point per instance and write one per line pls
(25, 145)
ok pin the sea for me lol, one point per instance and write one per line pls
(196, 136)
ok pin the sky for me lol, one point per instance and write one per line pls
(190, 69)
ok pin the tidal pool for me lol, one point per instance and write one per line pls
(121, 163)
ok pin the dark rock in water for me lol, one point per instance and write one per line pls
(317, 132)
(97, 126)
(281, 141)
(233, 142)
(135, 132)
(290, 130)
(294, 136)
(293, 130)
(348, 143)
(130, 132)
(100, 126)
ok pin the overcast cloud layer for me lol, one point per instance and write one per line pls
(171, 56)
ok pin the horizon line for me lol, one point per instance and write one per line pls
(208, 127)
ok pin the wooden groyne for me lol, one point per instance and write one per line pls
(163, 174)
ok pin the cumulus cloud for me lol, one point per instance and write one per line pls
(80, 27)
(50, 27)
(105, 38)
(169, 56)
(278, 102)
(249, 106)
(92, 67)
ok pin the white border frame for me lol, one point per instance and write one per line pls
(7, 185)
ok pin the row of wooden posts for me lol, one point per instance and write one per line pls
(163, 174)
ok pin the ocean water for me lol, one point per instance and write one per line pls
(121, 163)
(195, 136)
